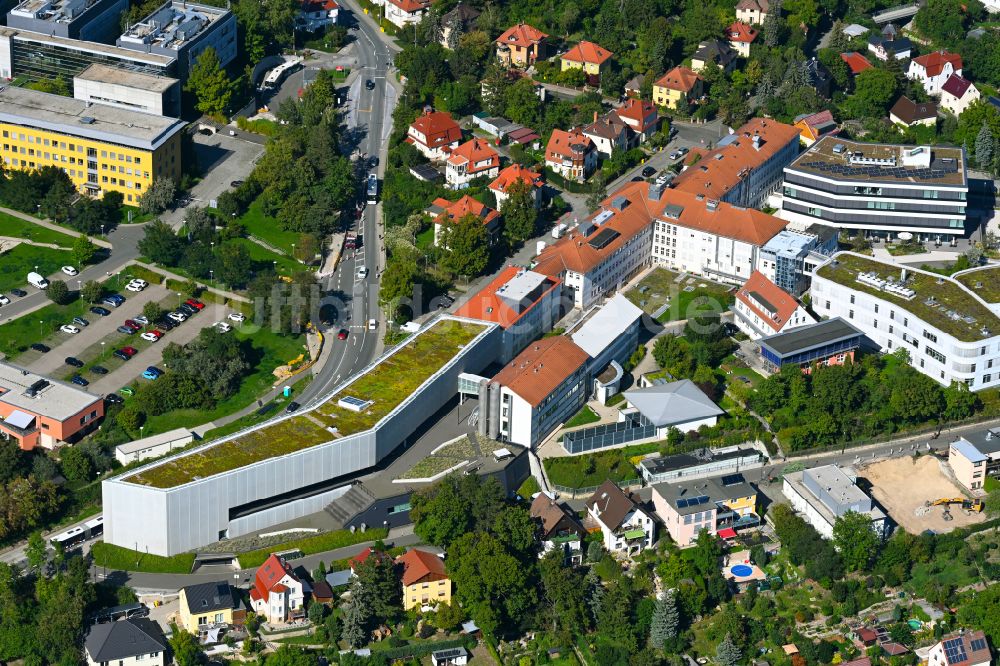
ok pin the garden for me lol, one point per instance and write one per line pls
(669, 296)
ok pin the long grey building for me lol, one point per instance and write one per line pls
(91, 20)
(296, 464)
(183, 30)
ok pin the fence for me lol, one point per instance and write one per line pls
(589, 490)
(608, 435)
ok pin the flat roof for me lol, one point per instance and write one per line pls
(986, 441)
(152, 59)
(939, 301)
(794, 479)
(676, 461)
(76, 117)
(53, 11)
(686, 497)
(831, 157)
(154, 440)
(58, 400)
(173, 25)
(804, 338)
(510, 296)
(604, 327)
(123, 77)
(790, 243)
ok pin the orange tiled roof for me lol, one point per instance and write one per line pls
(514, 173)
(561, 144)
(473, 152)
(637, 112)
(587, 52)
(679, 78)
(411, 6)
(419, 565)
(757, 291)
(934, 62)
(466, 205)
(857, 62)
(522, 35)
(268, 576)
(741, 32)
(438, 128)
(488, 306)
(539, 370)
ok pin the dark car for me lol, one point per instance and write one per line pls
(292, 406)
(370, 84)
(126, 330)
(637, 179)
(79, 381)
(648, 171)
(75, 362)
(97, 310)
(114, 300)
(114, 399)
(166, 324)
(236, 183)
(38, 346)
(20, 293)
(187, 309)
(99, 370)
(122, 355)
(80, 321)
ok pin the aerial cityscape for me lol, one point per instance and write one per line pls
(447, 332)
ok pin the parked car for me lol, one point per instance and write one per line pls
(195, 303)
(126, 390)
(79, 381)
(132, 323)
(166, 324)
(292, 407)
(152, 336)
(648, 171)
(114, 399)
(75, 362)
(81, 321)
(222, 327)
(152, 373)
(114, 300)
(187, 309)
(120, 354)
(177, 316)
(127, 330)
(131, 351)
(235, 183)
(133, 287)
(69, 328)
(99, 370)
(69, 270)
(139, 281)
(237, 316)
(97, 310)
(4, 300)
(39, 347)
(20, 293)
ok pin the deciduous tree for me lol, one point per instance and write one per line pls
(210, 84)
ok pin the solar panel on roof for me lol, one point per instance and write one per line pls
(681, 503)
(978, 644)
(602, 239)
(351, 400)
(954, 650)
(732, 479)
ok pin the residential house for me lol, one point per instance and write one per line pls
(425, 580)
(933, 69)
(753, 12)
(594, 60)
(762, 309)
(473, 159)
(609, 134)
(459, 21)
(856, 62)
(521, 45)
(812, 127)
(515, 173)
(449, 212)
(277, 594)
(741, 36)
(404, 12)
(558, 527)
(714, 51)
(641, 117)
(818, 77)
(363, 556)
(571, 154)
(719, 505)
(127, 642)
(435, 134)
(908, 113)
(975, 457)
(539, 389)
(633, 87)
(889, 44)
(822, 494)
(209, 605)
(958, 94)
(854, 30)
(969, 648)
(680, 84)
(626, 527)
(450, 657)
(317, 14)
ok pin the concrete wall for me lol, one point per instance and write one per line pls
(804, 507)
(167, 103)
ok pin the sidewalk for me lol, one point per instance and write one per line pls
(233, 296)
(54, 227)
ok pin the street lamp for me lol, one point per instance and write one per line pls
(102, 230)
(178, 299)
(211, 275)
(102, 350)
(40, 324)
(293, 250)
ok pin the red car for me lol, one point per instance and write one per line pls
(134, 325)
(157, 333)
(130, 351)
(196, 304)
(342, 335)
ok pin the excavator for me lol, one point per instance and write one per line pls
(974, 505)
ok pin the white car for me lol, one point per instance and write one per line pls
(139, 281)
(237, 316)
(361, 273)
(66, 328)
(69, 270)
(134, 286)
(223, 327)
(4, 300)
(149, 335)
(372, 324)
(177, 316)
(141, 320)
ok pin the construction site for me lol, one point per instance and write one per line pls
(920, 494)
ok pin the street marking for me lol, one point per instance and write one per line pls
(368, 110)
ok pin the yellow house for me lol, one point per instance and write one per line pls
(425, 580)
(101, 148)
(207, 605)
(678, 84)
(589, 57)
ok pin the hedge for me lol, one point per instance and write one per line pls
(425, 648)
(319, 543)
(126, 559)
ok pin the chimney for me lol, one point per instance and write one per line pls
(595, 116)
(756, 142)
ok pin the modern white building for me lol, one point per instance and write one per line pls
(950, 334)
(610, 333)
(153, 446)
(823, 494)
(762, 308)
(159, 95)
(789, 258)
(93, 20)
(626, 527)
(679, 404)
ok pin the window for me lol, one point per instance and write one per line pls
(935, 354)
(850, 314)
(930, 336)
(987, 378)
(852, 299)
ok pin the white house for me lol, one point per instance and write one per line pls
(128, 642)
(626, 527)
(277, 594)
(473, 159)
(571, 154)
(933, 69)
(403, 12)
(609, 133)
(513, 174)
(969, 648)
(316, 14)
(823, 494)
(762, 308)
(958, 94)
(667, 405)
(435, 134)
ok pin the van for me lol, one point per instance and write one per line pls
(37, 281)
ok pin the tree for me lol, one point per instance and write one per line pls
(984, 147)
(523, 104)
(666, 620)
(317, 612)
(152, 311)
(454, 506)
(595, 551)
(58, 292)
(158, 197)
(210, 84)
(56, 86)
(519, 213)
(36, 552)
(376, 577)
(75, 464)
(941, 21)
(773, 25)
(235, 264)
(184, 646)
(82, 250)
(856, 540)
(728, 653)
(160, 244)
(467, 243)
(874, 89)
(594, 592)
(598, 193)
(355, 629)
(564, 592)
(92, 291)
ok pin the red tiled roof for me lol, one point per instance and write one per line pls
(741, 32)
(438, 128)
(934, 62)
(561, 145)
(364, 555)
(473, 152)
(539, 370)
(419, 565)
(269, 574)
(514, 173)
(867, 635)
(956, 86)
(857, 62)
(758, 292)
(411, 6)
(587, 52)
(679, 78)
(636, 112)
(486, 305)
(466, 205)
(522, 35)
(319, 5)
(279, 588)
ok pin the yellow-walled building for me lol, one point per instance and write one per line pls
(425, 580)
(102, 148)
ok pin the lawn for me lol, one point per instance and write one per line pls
(23, 259)
(263, 257)
(388, 384)
(660, 289)
(319, 543)
(19, 228)
(529, 487)
(267, 229)
(126, 559)
(39, 326)
(985, 283)
(441, 460)
(583, 417)
(591, 469)
(265, 412)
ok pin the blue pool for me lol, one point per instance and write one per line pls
(742, 570)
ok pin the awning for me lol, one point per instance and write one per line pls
(728, 533)
(635, 534)
(19, 419)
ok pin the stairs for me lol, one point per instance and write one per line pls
(350, 504)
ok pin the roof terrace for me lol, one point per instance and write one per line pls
(840, 159)
(172, 24)
(940, 301)
(384, 387)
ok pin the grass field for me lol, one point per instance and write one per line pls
(661, 288)
(18, 335)
(268, 411)
(264, 258)
(19, 228)
(314, 544)
(591, 469)
(23, 259)
(583, 417)
(125, 559)
(267, 228)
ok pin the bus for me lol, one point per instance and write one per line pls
(75, 536)
(372, 188)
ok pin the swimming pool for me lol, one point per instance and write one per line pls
(741, 570)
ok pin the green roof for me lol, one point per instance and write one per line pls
(983, 282)
(634, 534)
(386, 385)
(940, 301)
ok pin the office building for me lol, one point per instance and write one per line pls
(626, 527)
(699, 463)
(182, 30)
(829, 342)
(950, 334)
(100, 147)
(790, 257)
(714, 504)
(763, 309)
(39, 411)
(975, 457)
(89, 20)
(610, 333)
(821, 495)
(880, 189)
(135, 91)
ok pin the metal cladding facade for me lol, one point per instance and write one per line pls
(168, 521)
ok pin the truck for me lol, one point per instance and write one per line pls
(372, 188)
(37, 281)
(559, 230)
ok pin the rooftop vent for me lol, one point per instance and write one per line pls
(87, 120)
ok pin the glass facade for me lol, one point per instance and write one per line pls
(41, 60)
